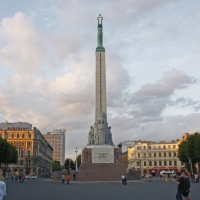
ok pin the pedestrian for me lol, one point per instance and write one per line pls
(196, 178)
(63, 178)
(125, 179)
(2, 190)
(12, 177)
(181, 186)
(122, 178)
(74, 176)
(68, 178)
(187, 186)
(22, 178)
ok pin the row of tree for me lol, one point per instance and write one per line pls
(189, 150)
(69, 164)
(8, 154)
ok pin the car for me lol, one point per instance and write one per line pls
(30, 177)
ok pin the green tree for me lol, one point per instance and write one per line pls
(56, 166)
(190, 148)
(8, 154)
(72, 164)
(79, 160)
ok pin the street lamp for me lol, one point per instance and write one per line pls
(76, 159)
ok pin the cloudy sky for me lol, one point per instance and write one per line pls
(47, 63)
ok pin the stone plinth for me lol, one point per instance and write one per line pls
(101, 171)
(101, 163)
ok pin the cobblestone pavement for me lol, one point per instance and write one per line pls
(39, 190)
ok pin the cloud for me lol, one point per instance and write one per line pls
(22, 47)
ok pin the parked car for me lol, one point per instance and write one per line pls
(30, 177)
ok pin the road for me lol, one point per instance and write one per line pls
(40, 190)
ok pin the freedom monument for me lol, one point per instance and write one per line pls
(101, 159)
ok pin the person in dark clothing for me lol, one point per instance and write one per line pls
(74, 176)
(181, 186)
(187, 187)
(125, 179)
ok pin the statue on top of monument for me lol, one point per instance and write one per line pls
(100, 32)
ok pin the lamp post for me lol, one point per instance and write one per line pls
(76, 159)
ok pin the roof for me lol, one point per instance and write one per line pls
(16, 125)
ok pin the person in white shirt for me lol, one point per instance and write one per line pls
(122, 177)
(63, 179)
(2, 190)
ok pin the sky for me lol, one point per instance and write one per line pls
(47, 67)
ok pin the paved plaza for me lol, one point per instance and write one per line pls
(40, 190)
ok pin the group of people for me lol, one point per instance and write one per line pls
(124, 179)
(183, 189)
(67, 178)
(20, 178)
(194, 178)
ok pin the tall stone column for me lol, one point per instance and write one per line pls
(100, 87)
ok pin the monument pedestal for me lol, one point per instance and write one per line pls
(101, 163)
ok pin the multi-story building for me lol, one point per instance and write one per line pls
(154, 157)
(34, 152)
(56, 138)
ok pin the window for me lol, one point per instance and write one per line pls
(22, 135)
(12, 135)
(22, 144)
(159, 147)
(144, 155)
(138, 155)
(174, 154)
(144, 147)
(169, 146)
(164, 147)
(29, 135)
(149, 147)
(155, 163)
(164, 154)
(175, 162)
(154, 154)
(28, 144)
(22, 153)
(149, 154)
(145, 163)
(174, 146)
(29, 153)
(138, 163)
(17, 135)
(150, 163)
(159, 154)
(160, 163)
(165, 163)
(17, 144)
(13, 128)
(170, 154)
(170, 163)
(18, 128)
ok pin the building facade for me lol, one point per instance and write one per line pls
(152, 158)
(34, 152)
(56, 139)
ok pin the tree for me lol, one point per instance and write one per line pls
(190, 148)
(79, 160)
(72, 164)
(8, 154)
(56, 166)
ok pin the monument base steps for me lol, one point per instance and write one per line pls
(101, 171)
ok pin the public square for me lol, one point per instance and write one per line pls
(45, 190)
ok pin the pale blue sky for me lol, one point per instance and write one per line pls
(47, 63)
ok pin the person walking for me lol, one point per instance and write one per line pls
(63, 178)
(74, 176)
(187, 186)
(181, 186)
(196, 178)
(122, 178)
(125, 179)
(2, 190)
(20, 178)
(68, 178)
